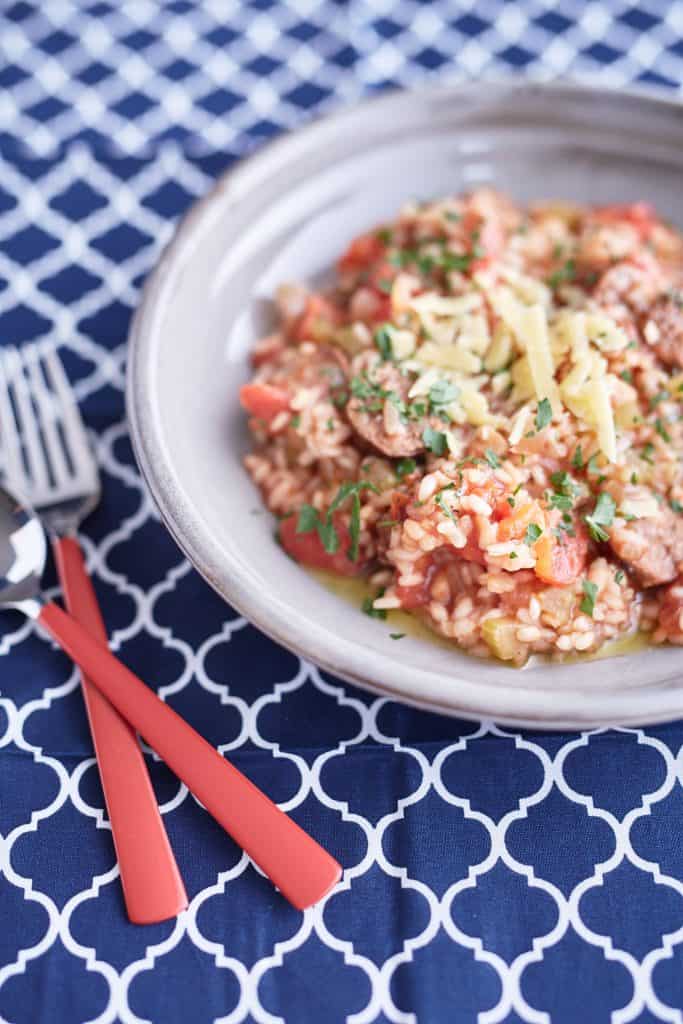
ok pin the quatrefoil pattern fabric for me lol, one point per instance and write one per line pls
(491, 875)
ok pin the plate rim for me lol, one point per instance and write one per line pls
(532, 707)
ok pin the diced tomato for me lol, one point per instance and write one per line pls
(514, 526)
(308, 548)
(561, 560)
(363, 251)
(264, 400)
(317, 318)
(486, 236)
(266, 349)
(382, 310)
(641, 216)
(472, 552)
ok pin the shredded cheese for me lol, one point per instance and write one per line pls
(534, 327)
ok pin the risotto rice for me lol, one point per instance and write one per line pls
(483, 418)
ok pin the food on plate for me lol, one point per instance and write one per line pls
(483, 419)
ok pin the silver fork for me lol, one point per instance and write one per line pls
(46, 457)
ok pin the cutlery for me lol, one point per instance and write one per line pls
(54, 469)
(294, 862)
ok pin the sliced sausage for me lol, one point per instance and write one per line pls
(652, 548)
(671, 613)
(663, 329)
(376, 409)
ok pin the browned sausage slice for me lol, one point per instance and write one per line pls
(377, 407)
(652, 548)
(663, 329)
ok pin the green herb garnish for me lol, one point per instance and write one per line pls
(310, 519)
(565, 273)
(544, 414)
(577, 458)
(404, 467)
(374, 613)
(443, 392)
(435, 441)
(662, 431)
(492, 458)
(383, 341)
(533, 532)
(590, 592)
(601, 516)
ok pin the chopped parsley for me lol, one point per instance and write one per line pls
(435, 441)
(385, 285)
(533, 532)
(564, 273)
(634, 478)
(647, 453)
(310, 519)
(452, 215)
(367, 607)
(340, 398)
(676, 506)
(627, 376)
(443, 392)
(661, 396)
(662, 431)
(619, 576)
(601, 516)
(590, 592)
(561, 501)
(577, 458)
(295, 421)
(441, 502)
(544, 414)
(397, 636)
(385, 235)
(564, 484)
(492, 458)
(592, 464)
(383, 341)
(404, 467)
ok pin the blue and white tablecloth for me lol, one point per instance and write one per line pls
(490, 875)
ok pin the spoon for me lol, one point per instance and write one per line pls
(293, 861)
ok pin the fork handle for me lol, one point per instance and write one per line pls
(152, 887)
(298, 866)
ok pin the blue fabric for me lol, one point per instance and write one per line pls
(490, 875)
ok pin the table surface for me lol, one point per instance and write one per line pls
(490, 875)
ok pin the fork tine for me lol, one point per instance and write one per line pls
(48, 417)
(74, 431)
(27, 423)
(10, 445)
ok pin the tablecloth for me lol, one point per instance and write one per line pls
(491, 875)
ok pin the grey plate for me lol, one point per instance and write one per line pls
(285, 214)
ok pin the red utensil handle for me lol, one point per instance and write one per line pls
(294, 862)
(152, 887)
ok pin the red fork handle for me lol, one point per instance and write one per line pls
(294, 862)
(152, 887)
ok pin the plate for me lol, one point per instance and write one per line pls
(285, 214)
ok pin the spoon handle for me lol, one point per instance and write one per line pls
(152, 887)
(293, 861)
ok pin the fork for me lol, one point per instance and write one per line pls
(47, 458)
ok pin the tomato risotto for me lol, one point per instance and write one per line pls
(483, 418)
